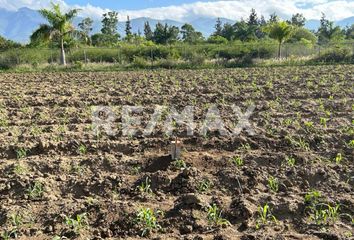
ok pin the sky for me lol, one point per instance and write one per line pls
(187, 10)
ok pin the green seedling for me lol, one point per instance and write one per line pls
(204, 185)
(179, 164)
(147, 219)
(21, 153)
(265, 216)
(338, 158)
(82, 149)
(237, 161)
(273, 184)
(145, 187)
(77, 223)
(323, 122)
(290, 161)
(35, 191)
(312, 197)
(215, 217)
(19, 169)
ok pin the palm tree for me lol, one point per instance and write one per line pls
(280, 31)
(59, 27)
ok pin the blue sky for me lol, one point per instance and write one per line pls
(188, 10)
(131, 4)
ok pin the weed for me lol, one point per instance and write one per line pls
(147, 218)
(77, 223)
(265, 216)
(237, 161)
(35, 191)
(273, 184)
(215, 217)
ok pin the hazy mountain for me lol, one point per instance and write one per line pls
(19, 25)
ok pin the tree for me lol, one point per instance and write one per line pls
(7, 44)
(128, 29)
(86, 28)
(349, 33)
(300, 34)
(110, 23)
(189, 34)
(148, 32)
(228, 32)
(242, 30)
(164, 34)
(253, 18)
(109, 34)
(298, 20)
(218, 28)
(273, 18)
(280, 31)
(328, 32)
(59, 25)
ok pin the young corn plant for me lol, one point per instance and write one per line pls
(147, 220)
(238, 161)
(77, 223)
(82, 149)
(179, 164)
(204, 186)
(273, 184)
(145, 187)
(338, 159)
(21, 153)
(265, 216)
(215, 217)
(35, 191)
(290, 161)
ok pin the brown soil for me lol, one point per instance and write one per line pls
(305, 113)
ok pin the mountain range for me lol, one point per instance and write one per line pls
(19, 25)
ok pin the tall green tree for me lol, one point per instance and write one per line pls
(85, 29)
(228, 32)
(165, 34)
(280, 31)
(328, 32)
(59, 26)
(349, 32)
(110, 23)
(128, 29)
(190, 35)
(109, 35)
(218, 28)
(273, 18)
(148, 32)
(298, 20)
(253, 18)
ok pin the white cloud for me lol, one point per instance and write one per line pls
(312, 9)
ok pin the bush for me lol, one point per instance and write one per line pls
(140, 62)
(335, 55)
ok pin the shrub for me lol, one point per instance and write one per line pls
(335, 55)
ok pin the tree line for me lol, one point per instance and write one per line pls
(60, 32)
